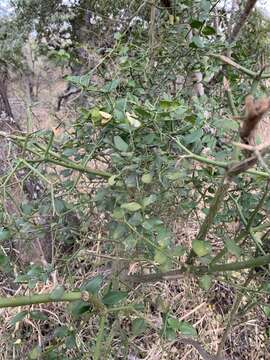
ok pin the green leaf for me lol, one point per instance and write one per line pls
(79, 81)
(173, 323)
(175, 175)
(18, 317)
(266, 310)
(184, 327)
(148, 139)
(69, 152)
(169, 104)
(60, 205)
(196, 24)
(151, 223)
(57, 293)
(187, 330)
(112, 180)
(110, 86)
(205, 282)
(160, 257)
(179, 250)
(132, 206)
(95, 116)
(38, 315)
(197, 42)
(4, 234)
(93, 285)
(119, 231)
(71, 341)
(61, 331)
(118, 213)
(147, 178)
(208, 30)
(163, 235)
(169, 333)
(121, 104)
(266, 287)
(149, 200)
(27, 209)
(131, 180)
(227, 124)
(201, 248)
(138, 326)
(4, 263)
(139, 307)
(35, 353)
(193, 137)
(143, 112)
(117, 35)
(135, 219)
(79, 307)
(120, 144)
(233, 248)
(113, 297)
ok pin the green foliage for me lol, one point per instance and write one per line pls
(161, 150)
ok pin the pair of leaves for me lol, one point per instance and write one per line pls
(173, 325)
(135, 206)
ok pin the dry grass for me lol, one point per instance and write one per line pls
(207, 311)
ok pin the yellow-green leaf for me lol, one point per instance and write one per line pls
(201, 248)
(160, 257)
(147, 178)
(132, 206)
(132, 119)
(105, 117)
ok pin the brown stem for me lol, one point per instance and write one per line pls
(242, 19)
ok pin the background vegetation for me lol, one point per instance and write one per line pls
(131, 225)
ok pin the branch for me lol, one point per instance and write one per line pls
(204, 354)
(228, 61)
(53, 157)
(224, 164)
(200, 270)
(242, 19)
(15, 301)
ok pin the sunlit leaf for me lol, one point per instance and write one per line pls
(133, 120)
(120, 144)
(132, 206)
(187, 330)
(147, 178)
(160, 257)
(105, 117)
(201, 248)
(205, 282)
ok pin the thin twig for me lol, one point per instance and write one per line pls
(232, 315)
